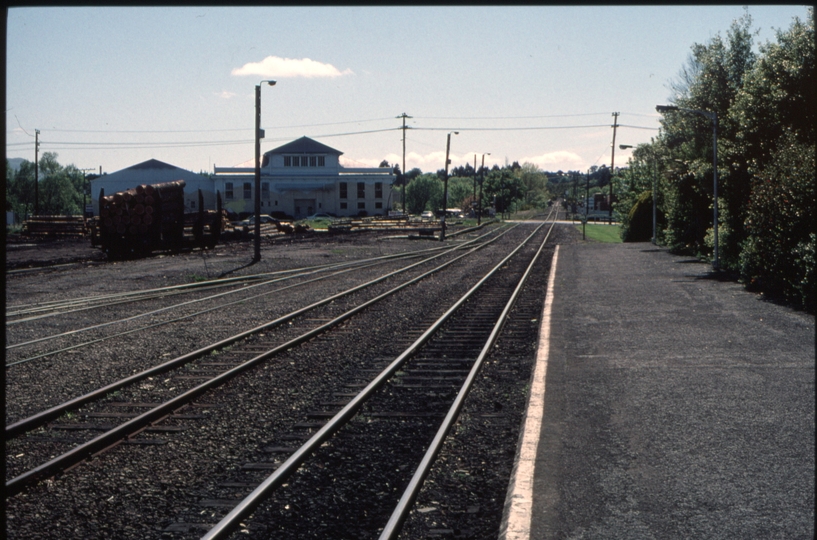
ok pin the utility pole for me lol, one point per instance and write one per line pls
(474, 199)
(36, 172)
(613, 166)
(404, 116)
(86, 189)
(445, 183)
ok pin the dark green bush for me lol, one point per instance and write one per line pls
(638, 225)
(778, 256)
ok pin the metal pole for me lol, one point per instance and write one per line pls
(586, 204)
(714, 117)
(654, 188)
(445, 182)
(613, 166)
(257, 206)
(481, 181)
(404, 116)
(36, 172)
(474, 200)
(715, 176)
(445, 187)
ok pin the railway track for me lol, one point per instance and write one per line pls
(418, 370)
(246, 349)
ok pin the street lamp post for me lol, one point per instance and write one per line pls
(714, 117)
(259, 134)
(481, 181)
(445, 182)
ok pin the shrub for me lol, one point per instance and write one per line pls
(778, 254)
(637, 226)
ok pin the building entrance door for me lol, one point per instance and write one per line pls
(304, 208)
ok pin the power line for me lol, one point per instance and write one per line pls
(516, 128)
(207, 130)
(506, 117)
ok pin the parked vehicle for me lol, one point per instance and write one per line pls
(264, 219)
(428, 214)
(329, 217)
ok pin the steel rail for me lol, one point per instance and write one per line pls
(191, 315)
(299, 456)
(148, 294)
(401, 511)
(356, 265)
(40, 418)
(123, 431)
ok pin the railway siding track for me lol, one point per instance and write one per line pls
(255, 349)
(434, 377)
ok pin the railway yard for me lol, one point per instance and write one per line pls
(345, 386)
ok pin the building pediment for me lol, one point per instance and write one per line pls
(304, 145)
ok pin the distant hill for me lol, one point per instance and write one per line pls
(15, 163)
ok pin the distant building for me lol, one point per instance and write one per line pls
(154, 171)
(305, 177)
(298, 179)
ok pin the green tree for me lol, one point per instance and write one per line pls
(60, 189)
(710, 82)
(20, 189)
(533, 185)
(502, 188)
(424, 192)
(460, 191)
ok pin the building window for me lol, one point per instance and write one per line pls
(343, 193)
(343, 206)
(287, 161)
(361, 206)
(265, 190)
(321, 161)
(228, 191)
(378, 190)
(247, 190)
(361, 190)
(192, 205)
(313, 161)
(378, 205)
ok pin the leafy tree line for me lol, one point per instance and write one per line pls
(60, 190)
(766, 116)
(513, 187)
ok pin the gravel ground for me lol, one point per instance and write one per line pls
(140, 491)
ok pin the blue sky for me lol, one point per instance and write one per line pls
(111, 87)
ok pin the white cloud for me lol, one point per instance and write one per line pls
(274, 66)
(224, 94)
(561, 160)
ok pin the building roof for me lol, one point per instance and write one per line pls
(304, 145)
(151, 164)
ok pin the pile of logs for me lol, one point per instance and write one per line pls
(147, 210)
(55, 226)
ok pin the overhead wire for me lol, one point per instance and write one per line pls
(98, 145)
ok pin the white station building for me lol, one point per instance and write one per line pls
(298, 179)
(305, 177)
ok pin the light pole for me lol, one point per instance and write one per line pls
(714, 117)
(259, 134)
(481, 181)
(445, 182)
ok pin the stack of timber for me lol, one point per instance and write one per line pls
(146, 218)
(55, 226)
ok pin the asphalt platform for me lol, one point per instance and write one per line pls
(674, 405)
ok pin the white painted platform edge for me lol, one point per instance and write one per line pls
(516, 520)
